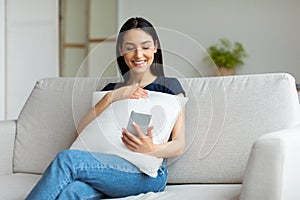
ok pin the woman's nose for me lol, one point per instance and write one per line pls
(138, 53)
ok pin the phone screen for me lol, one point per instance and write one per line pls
(141, 119)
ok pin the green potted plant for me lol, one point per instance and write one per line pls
(227, 56)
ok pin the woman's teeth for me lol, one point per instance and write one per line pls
(139, 62)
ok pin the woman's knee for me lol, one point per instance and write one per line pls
(65, 156)
(79, 190)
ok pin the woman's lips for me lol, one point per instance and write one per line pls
(139, 63)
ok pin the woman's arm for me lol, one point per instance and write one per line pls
(94, 112)
(144, 144)
(126, 92)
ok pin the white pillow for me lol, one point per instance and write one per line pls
(103, 134)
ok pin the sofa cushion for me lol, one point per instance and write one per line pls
(17, 186)
(193, 192)
(46, 124)
(103, 134)
(224, 115)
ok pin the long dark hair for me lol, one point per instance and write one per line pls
(139, 23)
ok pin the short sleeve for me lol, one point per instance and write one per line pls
(113, 86)
(108, 87)
(176, 87)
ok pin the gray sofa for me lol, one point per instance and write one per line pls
(242, 137)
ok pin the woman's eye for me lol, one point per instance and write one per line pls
(147, 47)
(129, 48)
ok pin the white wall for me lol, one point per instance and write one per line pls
(74, 14)
(2, 59)
(86, 23)
(31, 48)
(103, 18)
(102, 25)
(268, 29)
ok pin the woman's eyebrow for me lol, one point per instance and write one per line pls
(131, 43)
(145, 42)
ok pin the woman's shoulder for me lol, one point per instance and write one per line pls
(171, 83)
(169, 80)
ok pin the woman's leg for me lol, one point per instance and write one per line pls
(120, 178)
(79, 190)
(109, 174)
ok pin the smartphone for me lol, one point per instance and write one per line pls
(141, 119)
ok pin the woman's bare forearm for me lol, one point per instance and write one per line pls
(168, 150)
(94, 112)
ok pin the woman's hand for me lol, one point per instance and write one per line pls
(142, 143)
(132, 91)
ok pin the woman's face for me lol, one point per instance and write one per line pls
(138, 50)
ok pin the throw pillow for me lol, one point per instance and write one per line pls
(103, 134)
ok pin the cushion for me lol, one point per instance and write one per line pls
(47, 122)
(192, 192)
(224, 116)
(17, 186)
(103, 134)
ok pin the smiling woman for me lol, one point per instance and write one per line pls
(78, 174)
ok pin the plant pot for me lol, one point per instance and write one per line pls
(223, 71)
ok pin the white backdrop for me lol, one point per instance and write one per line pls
(32, 52)
(268, 29)
(2, 59)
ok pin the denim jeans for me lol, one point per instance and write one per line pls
(75, 174)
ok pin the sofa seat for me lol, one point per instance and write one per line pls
(17, 185)
(204, 191)
(22, 183)
(193, 191)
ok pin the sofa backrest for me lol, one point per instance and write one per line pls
(47, 122)
(224, 116)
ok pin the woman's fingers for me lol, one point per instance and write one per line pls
(149, 131)
(138, 130)
(142, 144)
(129, 138)
(132, 91)
(139, 93)
(128, 142)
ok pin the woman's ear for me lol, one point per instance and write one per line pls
(155, 46)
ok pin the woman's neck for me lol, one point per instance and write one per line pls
(142, 79)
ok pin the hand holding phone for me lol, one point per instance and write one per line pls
(141, 119)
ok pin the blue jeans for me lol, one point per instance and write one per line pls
(75, 174)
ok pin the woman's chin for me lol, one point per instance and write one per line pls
(139, 69)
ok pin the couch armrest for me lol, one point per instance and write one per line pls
(273, 169)
(7, 142)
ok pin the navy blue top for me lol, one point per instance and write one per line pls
(160, 84)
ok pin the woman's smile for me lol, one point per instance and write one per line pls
(139, 63)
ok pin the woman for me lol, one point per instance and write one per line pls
(75, 174)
